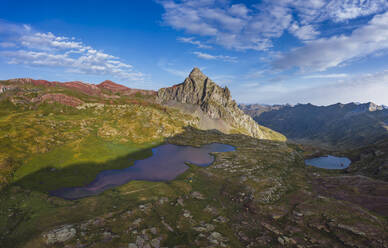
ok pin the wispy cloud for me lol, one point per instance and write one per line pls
(7, 44)
(339, 75)
(254, 74)
(238, 26)
(192, 41)
(26, 46)
(172, 69)
(323, 53)
(358, 88)
(304, 32)
(215, 57)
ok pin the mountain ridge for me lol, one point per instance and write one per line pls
(339, 125)
(87, 88)
(211, 105)
(255, 109)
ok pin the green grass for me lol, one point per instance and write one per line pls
(54, 135)
(91, 149)
(64, 167)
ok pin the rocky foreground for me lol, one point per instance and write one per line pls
(261, 195)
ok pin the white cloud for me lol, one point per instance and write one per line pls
(46, 49)
(27, 27)
(358, 88)
(306, 32)
(215, 57)
(192, 41)
(7, 44)
(324, 53)
(48, 41)
(171, 68)
(237, 26)
(234, 26)
(339, 75)
(344, 10)
(255, 74)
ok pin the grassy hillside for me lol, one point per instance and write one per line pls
(58, 126)
(56, 136)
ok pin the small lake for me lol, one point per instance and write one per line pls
(329, 162)
(166, 163)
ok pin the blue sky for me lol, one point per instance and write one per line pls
(284, 51)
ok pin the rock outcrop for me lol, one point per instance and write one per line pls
(215, 103)
(60, 234)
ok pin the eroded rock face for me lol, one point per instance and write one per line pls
(60, 234)
(214, 101)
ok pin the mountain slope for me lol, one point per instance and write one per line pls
(47, 120)
(214, 105)
(371, 160)
(335, 126)
(55, 135)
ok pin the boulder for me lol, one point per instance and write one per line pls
(60, 234)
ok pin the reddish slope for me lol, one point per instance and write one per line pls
(34, 82)
(86, 88)
(114, 87)
(60, 98)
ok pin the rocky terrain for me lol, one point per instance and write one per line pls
(338, 126)
(55, 135)
(214, 104)
(261, 195)
(371, 160)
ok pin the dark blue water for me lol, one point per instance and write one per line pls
(329, 162)
(166, 163)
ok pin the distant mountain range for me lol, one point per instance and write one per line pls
(336, 126)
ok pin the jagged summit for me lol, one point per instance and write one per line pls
(197, 75)
(198, 89)
(217, 109)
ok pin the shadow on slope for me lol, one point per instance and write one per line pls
(50, 178)
(26, 210)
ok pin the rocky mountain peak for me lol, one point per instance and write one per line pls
(373, 107)
(214, 102)
(197, 76)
